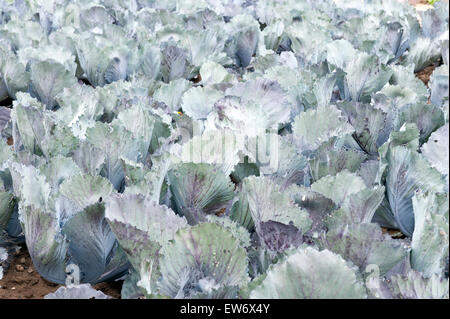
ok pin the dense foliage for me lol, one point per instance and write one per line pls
(227, 148)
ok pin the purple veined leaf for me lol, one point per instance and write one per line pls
(407, 172)
(371, 124)
(396, 41)
(427, 118)
(314, 127)
(174, 63)
(13, 75)
(422, 53)
(330, 159)
(240, 212)
(279, 237)
(268, 202)
(357, 208)
(89, 232)
(204, 260)
(311, 274)
(114, 141)
(142, 228)
(64, 223)
(199, 189)
(151, 61)
(243, 41)
(318, 207)
(268, 94)
(364, 245)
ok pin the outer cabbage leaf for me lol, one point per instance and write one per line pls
(84, 291)
(310, 274)
(151, 182)
(238, 231)
(13, 75)
(358, 207)
(371, 125)
(267, 202)
(88, 158)
(47, 246)
(62, 223)
(171, 93)
(364, 245)
(422, 53)
(142, 228)
(410, 286)
(174, 63)
(436, 150)
(36, 131)
(114, 141)
(213, 73)
(407, 172)
(220, 148)
(203, 260)
(243, 41)
(427, 118)
(315, 127)
(3, 258)
(338, 187)
(86, 190)
(439, 85)
(366, 75)
(331, 159)
(7, 200)
(199, 189)
(198, 102)
(151, 62)
(240, 211)
(318, 206)
(430, 237)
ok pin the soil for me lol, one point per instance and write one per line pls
(425, 74)
(22, 281)
(416, 2)
(394, 233)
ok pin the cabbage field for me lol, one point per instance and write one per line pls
(225, 149)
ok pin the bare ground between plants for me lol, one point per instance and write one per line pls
(22, 281)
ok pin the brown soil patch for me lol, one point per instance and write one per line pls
(425, 74)
(416, 2)
(22, 281)
(421, 2)
(112, 289)
(394, 233)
